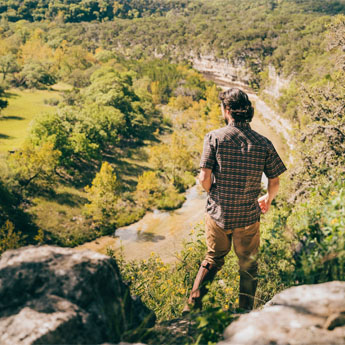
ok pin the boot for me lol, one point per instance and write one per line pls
(206, 274)
(248, 284)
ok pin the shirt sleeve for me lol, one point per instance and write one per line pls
(274, 166)
(208, 157)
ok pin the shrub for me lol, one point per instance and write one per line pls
(103, 196)
(171, 199)
(9, 238)
(319, 225)
(51, 101)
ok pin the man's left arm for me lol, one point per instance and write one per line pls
(207, 162)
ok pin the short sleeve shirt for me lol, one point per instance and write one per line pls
(237, 156)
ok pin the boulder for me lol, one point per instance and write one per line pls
(306, 314)
(54, 295)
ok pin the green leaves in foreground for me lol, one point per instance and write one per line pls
(320, 227)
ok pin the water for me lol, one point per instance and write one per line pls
(157, 232)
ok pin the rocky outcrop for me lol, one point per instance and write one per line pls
(301, 315)
(54, 295)
(222, 71)
(276, 83)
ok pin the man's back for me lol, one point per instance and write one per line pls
(237, 156)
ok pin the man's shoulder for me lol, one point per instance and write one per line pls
(228, 132)
(220, 132)
(261, 138)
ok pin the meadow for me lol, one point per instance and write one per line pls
(24, 106)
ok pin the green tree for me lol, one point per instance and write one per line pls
(35, 75)
(172, 159)
(149, 188)
(70, 132)
(8, 65)
(103, 195)
(35, 164)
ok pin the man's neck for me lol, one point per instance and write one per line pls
(240, 124)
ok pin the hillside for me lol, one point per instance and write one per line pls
(127, 135)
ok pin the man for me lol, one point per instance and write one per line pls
(233, 160)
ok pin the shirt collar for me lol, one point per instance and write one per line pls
(239, 124)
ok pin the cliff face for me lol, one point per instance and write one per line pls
(224, 73)
(54, 295)
(222, 70)
(276, 83)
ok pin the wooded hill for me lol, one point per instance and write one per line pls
(118, 98)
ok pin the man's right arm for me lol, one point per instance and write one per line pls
(272, 190)
(274, 167)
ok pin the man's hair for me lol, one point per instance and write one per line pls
(238, 103)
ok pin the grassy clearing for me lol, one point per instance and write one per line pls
(60, 216)
(23, 107)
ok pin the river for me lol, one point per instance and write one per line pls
(163, 232)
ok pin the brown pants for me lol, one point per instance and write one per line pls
(246, 243)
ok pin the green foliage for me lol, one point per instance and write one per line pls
(58, 129)
(172, 159)
(82, 10)
(149, 189)
(106, 204)
(319, 227)
(320, 150)
(181, 102)
(103, 196)
(287, 34)
(211, 324)
(105, 114)
(8, 65)
(34, 165)
(109, 89)
(36, 75)
(276, 242)
(9, 238)
(13, 217)
(171, 199)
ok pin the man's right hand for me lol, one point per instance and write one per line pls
(272, 190)
(264, 203)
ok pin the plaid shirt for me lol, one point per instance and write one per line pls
(237, 156)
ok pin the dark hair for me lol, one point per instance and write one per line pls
(238, 104)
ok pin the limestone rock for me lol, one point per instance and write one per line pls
(222, 70)
(301, 315)
(54, 295)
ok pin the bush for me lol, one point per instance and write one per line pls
(170, 200)
(51, 101)
(319, 225)
(9, 238)
(103, 197)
